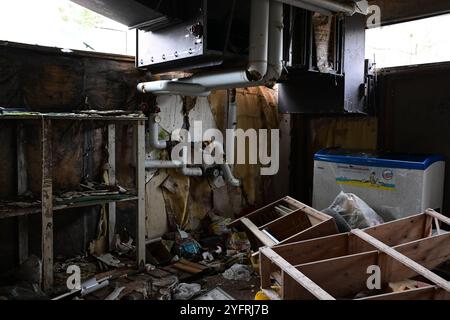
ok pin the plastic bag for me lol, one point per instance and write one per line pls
(185, 291)
(238, 272)
(355, 211)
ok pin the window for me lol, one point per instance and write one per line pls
(416, 42)
(63, 24)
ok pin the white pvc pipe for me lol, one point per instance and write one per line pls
(219, 80)
(276, 25)
(259, 35)
(229, 79)
(229, 177)
(240, 79)
(172, 87)
(154, 141)
(163, 164)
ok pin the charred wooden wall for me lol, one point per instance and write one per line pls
(415, 112)
(49, 80)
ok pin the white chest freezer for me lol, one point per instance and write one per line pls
(394, 185)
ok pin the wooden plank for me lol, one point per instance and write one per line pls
(265, 240)
(58, 207)
(347, 275)
(342, 277)
(140, 181)
(421, 270)
(429, 252)
(112, 182)
(22, 188)
(438, 216)
(271, 294)
(287, 226)
(321, 229)
(282, 218)
(314, 249)
(262, 210)
(296, 275)
(265, 269)
(314, 215)
(47, 205)
(398, 232)
(287, 201)
(427, 293)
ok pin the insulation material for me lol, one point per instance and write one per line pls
(322, 31)
(155, 204)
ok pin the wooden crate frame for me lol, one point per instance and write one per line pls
(335, 267)
(285, 221)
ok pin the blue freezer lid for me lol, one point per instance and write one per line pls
(378, 159)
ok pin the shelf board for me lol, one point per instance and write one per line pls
(71, 116)
(77, 203)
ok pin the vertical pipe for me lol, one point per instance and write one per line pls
(259, 40)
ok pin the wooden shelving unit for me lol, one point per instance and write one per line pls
(48, 206)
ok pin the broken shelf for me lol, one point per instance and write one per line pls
(9, 211)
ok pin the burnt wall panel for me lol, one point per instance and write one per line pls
(48, 80)
(416, 112)
(403, 10)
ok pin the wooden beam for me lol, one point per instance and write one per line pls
(22, 188)
(421, 270)
(112, 182)
(438, 216)
(290, 271)
(265, 239)
(47, 204)
(140, 181)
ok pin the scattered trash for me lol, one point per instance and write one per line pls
(115, 294)
(239, 242)
(219, 225)
(110, 260)
(355, 211)
(123, 247)
(189, 267)
(207, 256)
(238, 272)
(217, 294)
(149, 267)
(406, 285)
(189, 248)
(185, 291)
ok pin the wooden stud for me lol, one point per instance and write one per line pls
(22, 188)
(47, 204)
(140, 181)
(112, 182)
(265, 269)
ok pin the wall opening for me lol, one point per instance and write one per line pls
(63, 24)
(410, 43)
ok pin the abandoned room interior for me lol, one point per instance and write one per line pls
(251, 150)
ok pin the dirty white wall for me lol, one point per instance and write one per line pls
(175, 199)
